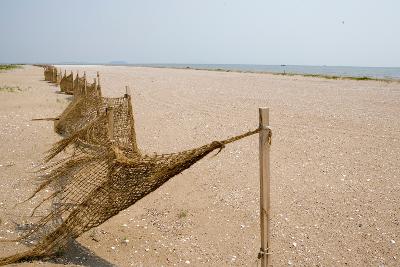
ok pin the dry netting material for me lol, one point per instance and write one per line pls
(86, 105)
(104, 174)
(49, 73)
(67, 84)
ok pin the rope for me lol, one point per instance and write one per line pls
(46, 119)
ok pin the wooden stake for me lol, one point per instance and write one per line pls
(127, 91)
(98, 84)
(130, 114)
(77, 81)
(110, 116)
(85, 83)
(264, 144)
(85, 87)
(95, 84)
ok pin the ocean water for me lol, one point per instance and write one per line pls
(371, 72)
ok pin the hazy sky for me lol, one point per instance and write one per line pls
(307, 32)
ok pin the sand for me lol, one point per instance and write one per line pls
(335, 164)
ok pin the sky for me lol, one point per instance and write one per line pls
(292, 32)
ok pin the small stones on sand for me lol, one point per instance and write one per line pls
(9, 164)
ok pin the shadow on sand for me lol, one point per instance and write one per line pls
(80, 255)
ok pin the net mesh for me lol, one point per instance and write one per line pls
(103, 174)
(49, 72)
(67, 84)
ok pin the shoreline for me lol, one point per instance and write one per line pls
(322, 76)
(284, 73)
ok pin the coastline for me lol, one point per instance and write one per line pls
(324, 76)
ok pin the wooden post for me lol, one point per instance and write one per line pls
(77, 82)
(72, 76)
(264, 144)
(127, 91)
(94, 86)
(85, 83)
(98, 78)
(130, 114)
(98, 84)
(110, 117)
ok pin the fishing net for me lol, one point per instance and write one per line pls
(49, 72)
(83, 110)
(85, 106)
(99, 182)
(92, 120)
(67, 84)
(103, 174)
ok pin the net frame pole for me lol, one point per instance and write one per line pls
(98, 88)
(85, 83)
(77, 81)
(95, 84)
(128, 96)
(264, 157)
(110, 118)
(127, 91)
(72, 75)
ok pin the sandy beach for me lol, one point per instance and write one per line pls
(335, 166)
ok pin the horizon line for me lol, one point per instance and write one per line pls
(123, 63)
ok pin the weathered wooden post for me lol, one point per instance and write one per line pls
(127, 91)
(85, 83)
(72, 83)
(130, 114)
(59, 76)
(54, 75)
(264, 146)
(110, 117)
(94, 86)
(77, 84)
(98, 84)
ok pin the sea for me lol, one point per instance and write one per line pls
(342, 71)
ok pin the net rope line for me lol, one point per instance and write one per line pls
(102, 176)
